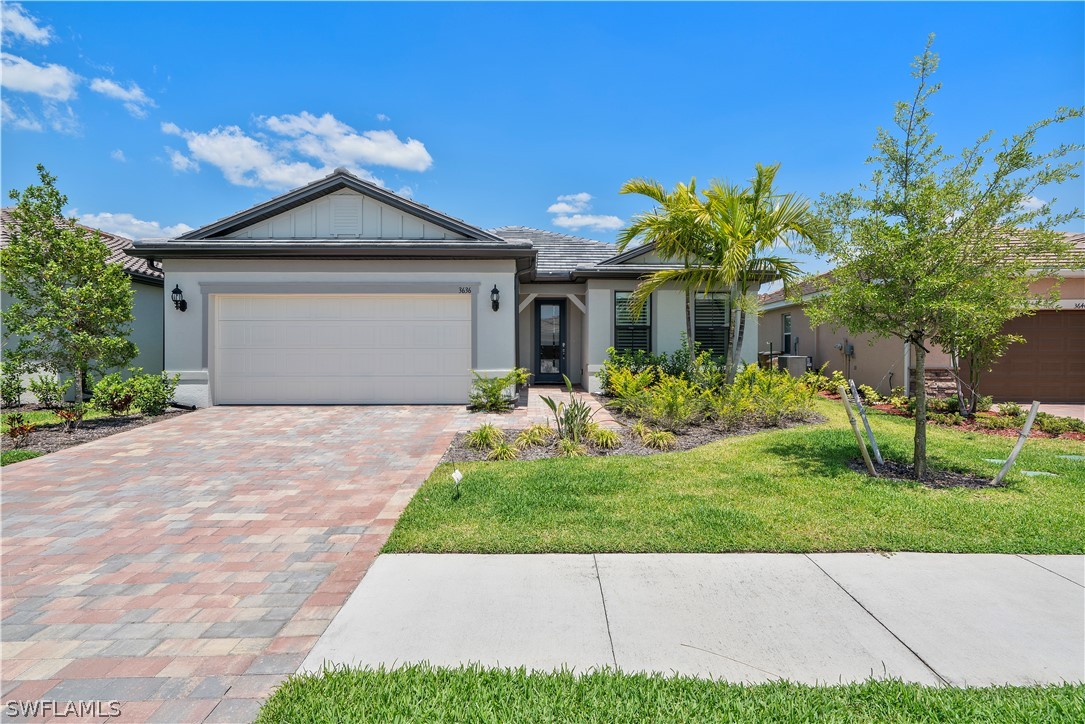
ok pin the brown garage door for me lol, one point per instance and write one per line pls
(1049, 367)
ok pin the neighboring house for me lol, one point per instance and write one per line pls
(146, 281)
(343, 292)
(1049, 366)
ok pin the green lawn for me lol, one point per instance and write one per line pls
(49, 417)
(422, 693)
(783, 490)
(17, 456)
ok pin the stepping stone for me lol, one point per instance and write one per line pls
(993, 460)
(1072, 457)
(1038, 474)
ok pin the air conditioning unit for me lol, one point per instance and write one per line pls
(795, 364)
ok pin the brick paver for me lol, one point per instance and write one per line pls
(187, 567)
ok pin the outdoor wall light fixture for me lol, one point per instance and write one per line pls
(495, 298)
(178, 297)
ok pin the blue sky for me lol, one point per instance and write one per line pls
(178, 114)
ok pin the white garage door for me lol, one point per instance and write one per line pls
(342, 349)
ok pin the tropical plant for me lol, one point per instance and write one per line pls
(569, 448)
(491, 394)
(660, 440)
(71, 310)
(1011, 409)
(18, 429)
(153, 393)
(726, 240)
(72, 415)
(534, 436)
(114, 394)
(640, 429)
(503, 450)
(673, 403)
(570, 418)
(484, 438)
(937, 249)
(49, 390)
(604, 438)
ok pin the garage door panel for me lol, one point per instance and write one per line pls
(1049, 367)
(296, 349)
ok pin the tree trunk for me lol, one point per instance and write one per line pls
(962, 405)
(689, 326)
(78, 374)
(919, 454)
(740, 332)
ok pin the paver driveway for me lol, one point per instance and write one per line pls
(185, 568)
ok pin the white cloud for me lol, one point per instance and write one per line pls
(21, 120)
(292, 150)
(405, 191)
(118, 155)
(595, 222)
(129, 226)
(383, 118)
(336, 144)
(134, 99)
(181, 162)
(51, 82)
(571, 204)
(18, 23)
(569, 210)
(1032, 203)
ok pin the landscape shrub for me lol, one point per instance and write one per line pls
(627, 386)
(114, 395)
(18, 429)
(490, 394)
(1011, 409)
(660, 440)
(999, 422)
(870, 395)
(768, 397)
(818, 381)
(604, 438)
(503, 450)
(946, 418)
(1055, 425)
(699, 367)
(673, 403)
(72, 415)
(153, 393)
(487, 436)
(569, 448)
(49, 390)
(11, 386)
(534, 436)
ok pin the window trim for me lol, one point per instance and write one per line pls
(787, 333)
(647, 311)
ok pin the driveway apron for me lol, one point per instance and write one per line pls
(185, 568)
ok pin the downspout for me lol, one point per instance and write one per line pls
(907, 368)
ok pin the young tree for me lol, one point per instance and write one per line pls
(939, 248)
(71, 309)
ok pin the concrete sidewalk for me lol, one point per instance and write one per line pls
(961, 620)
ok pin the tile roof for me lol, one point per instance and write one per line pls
(136, 267)
(1074, 259)
(558, 254)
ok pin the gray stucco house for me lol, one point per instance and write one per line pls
(344, 292)
(146, 279)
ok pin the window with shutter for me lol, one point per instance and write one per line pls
(631, 333)
(711, 321)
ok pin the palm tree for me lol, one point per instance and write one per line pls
(726, 240)
(677, 227)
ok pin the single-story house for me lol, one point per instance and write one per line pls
(146, 278)
(1049, 366)
(344, 292)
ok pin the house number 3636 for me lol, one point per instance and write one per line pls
(465, 290)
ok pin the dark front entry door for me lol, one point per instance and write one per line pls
(550, 341)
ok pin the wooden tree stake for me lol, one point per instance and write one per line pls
(858, 435)
(866, 423)
(1020, 443)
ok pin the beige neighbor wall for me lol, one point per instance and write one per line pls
(186, 335)
(875, 358)
(574, 335)
(668, 325)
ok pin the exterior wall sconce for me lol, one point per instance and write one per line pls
(178, 297)
(495, 298)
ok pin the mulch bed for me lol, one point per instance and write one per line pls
(50, 438)
(905, 473)
(687, 439)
